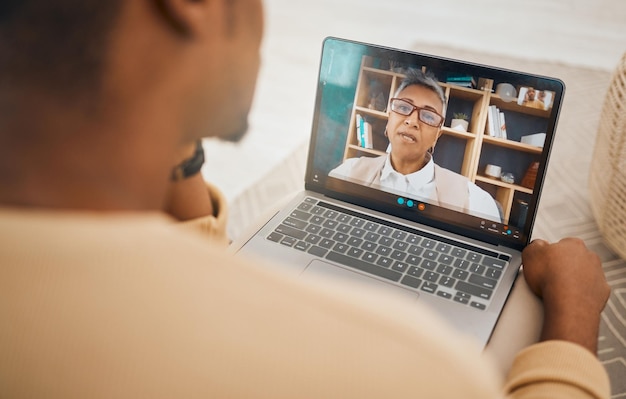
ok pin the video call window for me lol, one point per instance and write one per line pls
(477, 149)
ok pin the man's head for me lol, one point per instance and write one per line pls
(226, 37)
(94, 90)
(67, 49)
(54, 45)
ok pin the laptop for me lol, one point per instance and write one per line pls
(452, 241)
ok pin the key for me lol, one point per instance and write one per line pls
(399, 235)
(274, 236)
(473, 257)
(355, 241)
(371, 226)
(493, 273)
(372, 237)
(398, 255)
(473, 290)
(385, 230)
(415, 271)
(430, 244)
(313, 239)
(413, 239)
(290, 231)
(369, 257)
(300, 215)
(344, 218)
(411, 281)
(302, 246)
(431, 276)
(400, 266)
(493, 262)
(317, 251)
(313, 228)
(482, 281)
(384, 262)
(344, 228)
(476, 268)
(429, 287)
(355, 252)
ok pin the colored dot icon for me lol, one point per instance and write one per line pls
(410, 203)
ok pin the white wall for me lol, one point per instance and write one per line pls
(578, 32)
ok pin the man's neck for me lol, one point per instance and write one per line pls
(49, 160)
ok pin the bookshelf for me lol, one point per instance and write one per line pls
(375, 86)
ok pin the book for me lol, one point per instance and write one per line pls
(496, 118)
(502, 126)
(491, 121)
(359, 130)
(463, 84)
(367, 135)
(460, 78)
(463, 81)
(522, 95)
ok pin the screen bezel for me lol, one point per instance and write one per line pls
(385, 202)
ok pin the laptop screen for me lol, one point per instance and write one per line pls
(447, 143)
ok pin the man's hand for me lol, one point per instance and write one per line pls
(570, 280)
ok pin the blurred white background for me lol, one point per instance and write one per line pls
(575, 32)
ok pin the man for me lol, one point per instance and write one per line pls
(101, 295)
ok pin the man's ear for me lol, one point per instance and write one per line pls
(184, 16)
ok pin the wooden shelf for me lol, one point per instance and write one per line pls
(366, 150)
(373, 112)
(457, 133)
(382, 72)
(465, 93)
(500, 183)
(515, 145)
(512, 106)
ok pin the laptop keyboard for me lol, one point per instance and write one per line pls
(416, 260)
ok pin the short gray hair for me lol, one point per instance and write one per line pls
(418, 77)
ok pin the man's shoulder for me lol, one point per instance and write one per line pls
(69, 238)
(166, 293)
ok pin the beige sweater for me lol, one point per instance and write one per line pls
(123, 305)
(212, 226)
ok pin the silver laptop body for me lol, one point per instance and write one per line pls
(460, 262)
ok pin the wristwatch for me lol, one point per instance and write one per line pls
(189, 166)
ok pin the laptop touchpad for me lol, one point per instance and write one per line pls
(327, 270)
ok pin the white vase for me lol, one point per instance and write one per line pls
(459, 124)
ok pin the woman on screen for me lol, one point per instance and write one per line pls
(413, 127)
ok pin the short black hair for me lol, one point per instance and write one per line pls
(54, 43)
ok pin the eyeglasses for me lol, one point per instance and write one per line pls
(428, 116)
